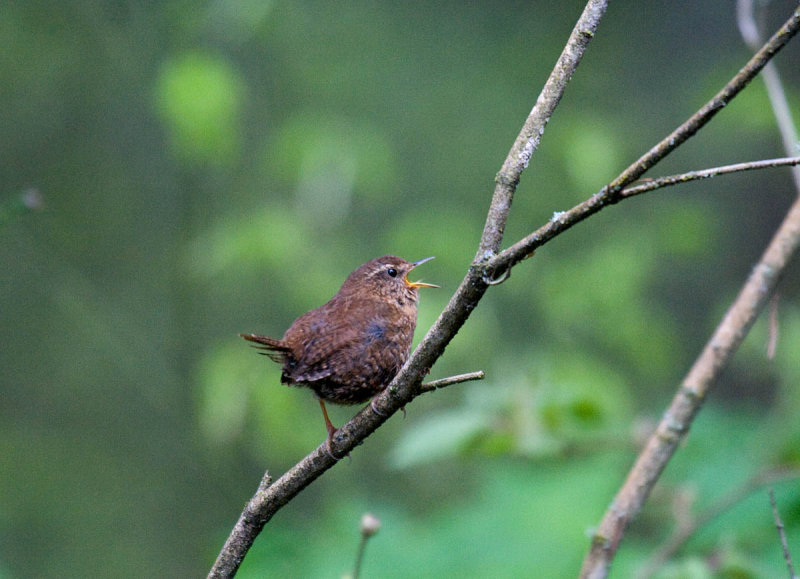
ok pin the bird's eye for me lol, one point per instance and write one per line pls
(392, 272)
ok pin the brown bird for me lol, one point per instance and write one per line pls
(349, 349)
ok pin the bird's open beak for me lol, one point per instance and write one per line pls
(418, 283)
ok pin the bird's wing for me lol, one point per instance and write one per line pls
(323, 342)
(346, 347)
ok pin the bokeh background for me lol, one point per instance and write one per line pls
(176, 173)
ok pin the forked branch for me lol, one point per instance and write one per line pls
(612, 193)
(406, 385)
(487, 267)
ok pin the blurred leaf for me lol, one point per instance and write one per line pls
(564, 405)
(688, 230)
(590, 153)
(199, 97)
(727, 562)
(269, 238)
(329, 161)
(599, 296)
(582, 397)
(238, 20)
(689, 568)
(441, 436)
(224, 394)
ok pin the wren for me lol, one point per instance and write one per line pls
(349, 349)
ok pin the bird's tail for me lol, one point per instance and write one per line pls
(275, 349)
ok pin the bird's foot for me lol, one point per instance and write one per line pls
(331, 431)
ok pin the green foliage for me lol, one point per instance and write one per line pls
(199, 97)
(216, 168)
(590, 152)
(555, 408)
(326, 158)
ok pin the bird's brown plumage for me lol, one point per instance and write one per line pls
(350, 348)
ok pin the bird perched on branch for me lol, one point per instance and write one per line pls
(349, 349)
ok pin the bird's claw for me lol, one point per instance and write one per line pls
(374, 409)
(329, 451)
(379, 413)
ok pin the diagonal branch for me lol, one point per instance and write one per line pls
(726, 339)
(487, 268)
(406, 385)
(528, 139)
(676, 421)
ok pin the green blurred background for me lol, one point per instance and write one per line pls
(209, 168)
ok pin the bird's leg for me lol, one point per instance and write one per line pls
(331, 428)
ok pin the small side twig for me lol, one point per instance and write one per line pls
(436, 384)
(782, 534)
(661, 182)
(772, 81)
(266, 480)
(683, 533)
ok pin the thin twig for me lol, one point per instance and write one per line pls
(362, 546)
(611, 193)
(772, 81)
(441, 383)
(684, 532)
(787, 556)
(652, 184)
(370, 524)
